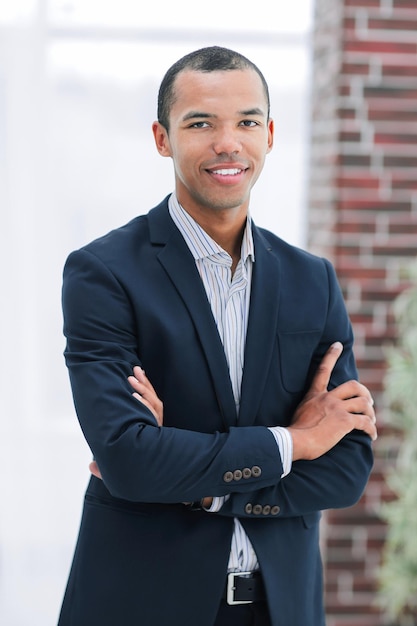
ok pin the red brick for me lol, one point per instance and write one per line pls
(353, 160)
(365, 601)
(393, 24)
(356, 69)
(359, 272)
(375, 205)
(404, 183)
(364, 182)
(380, 46)
(409, 71)
(362, 3)
(395, 138)
(347, 113)
(344, 90)
(391, 92)
(404, 4)
(405, 228)
(349, 136)
(406, 248)
(392, 114)
(353, 228)
(400, 161)
(343, 620)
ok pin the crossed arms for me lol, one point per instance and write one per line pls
(321, 420)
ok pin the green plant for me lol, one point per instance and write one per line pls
(398, 573)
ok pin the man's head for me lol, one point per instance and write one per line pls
(212, 59)
(214, 123)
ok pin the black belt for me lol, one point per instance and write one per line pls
(244, 588)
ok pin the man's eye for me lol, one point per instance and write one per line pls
(249, 123)
(199, 125)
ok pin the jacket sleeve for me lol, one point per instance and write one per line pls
(335, 480)
(138, 460)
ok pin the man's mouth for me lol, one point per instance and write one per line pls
(227, 172)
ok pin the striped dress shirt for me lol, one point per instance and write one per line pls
(229, 297)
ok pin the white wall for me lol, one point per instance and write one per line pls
(76, 159)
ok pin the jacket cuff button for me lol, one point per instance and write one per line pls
(275, 510)
(237, 475)
(248, 508)
(256, 471)
(228, 477)
(257, 509)
(266, 509)
(246, 472)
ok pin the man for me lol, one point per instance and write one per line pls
(209, 479)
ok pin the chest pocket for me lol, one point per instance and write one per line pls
(296, 354)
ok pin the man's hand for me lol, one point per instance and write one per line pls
(324, 417)
(145, 393)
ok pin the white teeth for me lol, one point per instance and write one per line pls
(231, 172)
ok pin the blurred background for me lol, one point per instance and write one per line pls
(78, 87)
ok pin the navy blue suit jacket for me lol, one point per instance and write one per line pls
(133, 297)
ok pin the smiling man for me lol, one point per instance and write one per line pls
(211, 470)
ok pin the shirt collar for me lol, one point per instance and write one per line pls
(200, 243)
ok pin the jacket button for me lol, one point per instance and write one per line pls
(246, 472)
(256, 471)
(237, 474)
(266, 509)
(257, 509)
(228, 477)
(248, 508)
(275, 510)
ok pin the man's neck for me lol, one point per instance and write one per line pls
(224, 226)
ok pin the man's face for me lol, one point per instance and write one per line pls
(218, 138)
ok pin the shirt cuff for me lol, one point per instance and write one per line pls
(216, 504)
(283, 439)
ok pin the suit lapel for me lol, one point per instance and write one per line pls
(262, 328)
(179, 264)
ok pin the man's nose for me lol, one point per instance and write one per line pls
(227, 141)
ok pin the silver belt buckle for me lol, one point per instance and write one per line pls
(231, 587)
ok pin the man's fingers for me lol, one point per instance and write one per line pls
(145, 393)
(321, 378)
(352, 389)
(140, 375)
(367, 424)
(156, 412)
(94, 469)
(360, 405)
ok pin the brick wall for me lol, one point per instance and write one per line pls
(363, 216)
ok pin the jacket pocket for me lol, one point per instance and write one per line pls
(296, 351)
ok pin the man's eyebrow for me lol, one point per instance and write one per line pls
(194, 114)
(191, 115)
(255, 111)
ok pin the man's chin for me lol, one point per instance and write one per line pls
(223, 203)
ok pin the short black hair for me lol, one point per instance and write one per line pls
(211, 59)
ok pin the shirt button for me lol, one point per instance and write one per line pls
(257, 509)
(266, 509)
(228, 477)
(256, 471)
(248, 508)
(275, 510)
(246, 472)
(237, 474)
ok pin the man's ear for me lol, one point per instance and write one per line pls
(160, 134)
(270, 134)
